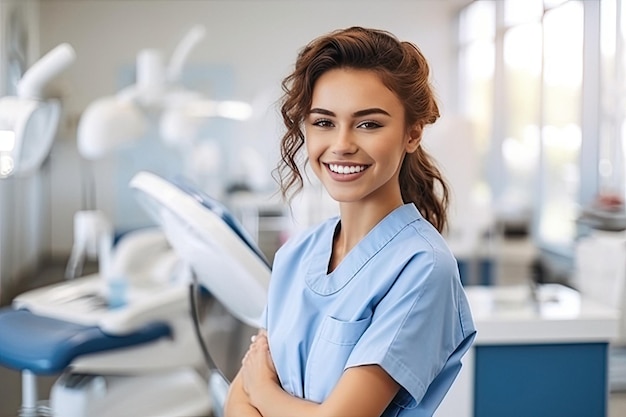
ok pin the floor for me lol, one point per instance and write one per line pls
(517, 255)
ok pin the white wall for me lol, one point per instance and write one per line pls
(259, 40)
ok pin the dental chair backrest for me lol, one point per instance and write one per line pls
(209, 239)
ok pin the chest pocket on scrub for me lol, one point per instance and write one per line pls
(329, 353)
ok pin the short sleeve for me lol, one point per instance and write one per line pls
(419, 328)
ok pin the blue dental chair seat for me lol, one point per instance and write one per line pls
(45, 346)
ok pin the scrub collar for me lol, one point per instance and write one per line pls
(322, 283)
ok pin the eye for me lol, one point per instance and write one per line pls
(322, 123)
(369, 124)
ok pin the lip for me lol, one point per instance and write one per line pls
(345, 177)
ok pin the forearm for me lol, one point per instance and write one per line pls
(237, 401)
(363, 391)
(273, 401)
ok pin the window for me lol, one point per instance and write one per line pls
(521, 67)
(561, 125)
(477, 63)
(612, 146)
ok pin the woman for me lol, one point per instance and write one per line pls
(366, 314)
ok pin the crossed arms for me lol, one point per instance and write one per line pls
(362, 391)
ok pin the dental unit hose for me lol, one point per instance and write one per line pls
(86, 231)
(93, 239)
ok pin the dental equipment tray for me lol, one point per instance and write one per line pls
(82, 301)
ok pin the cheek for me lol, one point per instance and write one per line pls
(312, 150)
(393, 161)
(389, 153)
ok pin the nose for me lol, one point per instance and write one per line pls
(344, 142)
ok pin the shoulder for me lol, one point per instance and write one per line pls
(422, 244)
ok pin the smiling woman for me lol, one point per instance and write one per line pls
(356, 125)
(366, 315)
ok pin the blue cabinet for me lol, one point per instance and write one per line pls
(541, 380)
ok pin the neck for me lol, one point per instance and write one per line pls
(357, 219)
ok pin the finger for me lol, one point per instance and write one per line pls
(262, 342)
(253, 338)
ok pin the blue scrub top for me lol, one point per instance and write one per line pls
(395, 300)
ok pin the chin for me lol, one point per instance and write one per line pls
(344, 197)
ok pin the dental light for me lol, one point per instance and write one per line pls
(29, 121)
(157, 99)
(113, 122)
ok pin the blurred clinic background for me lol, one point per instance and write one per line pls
(532, 139)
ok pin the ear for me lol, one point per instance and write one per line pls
(414, 138)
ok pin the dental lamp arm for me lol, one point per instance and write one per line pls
(31, 85)
(182, 51)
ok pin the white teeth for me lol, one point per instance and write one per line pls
(345, 169)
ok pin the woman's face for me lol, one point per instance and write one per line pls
(356, 137)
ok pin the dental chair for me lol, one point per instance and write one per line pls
(224, 260)
(148, 357)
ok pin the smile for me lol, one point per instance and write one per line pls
(346, 169)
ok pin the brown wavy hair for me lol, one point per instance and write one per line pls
(404, 70)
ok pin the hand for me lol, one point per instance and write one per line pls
(257, 366)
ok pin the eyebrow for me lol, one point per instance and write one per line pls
(360, 113)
